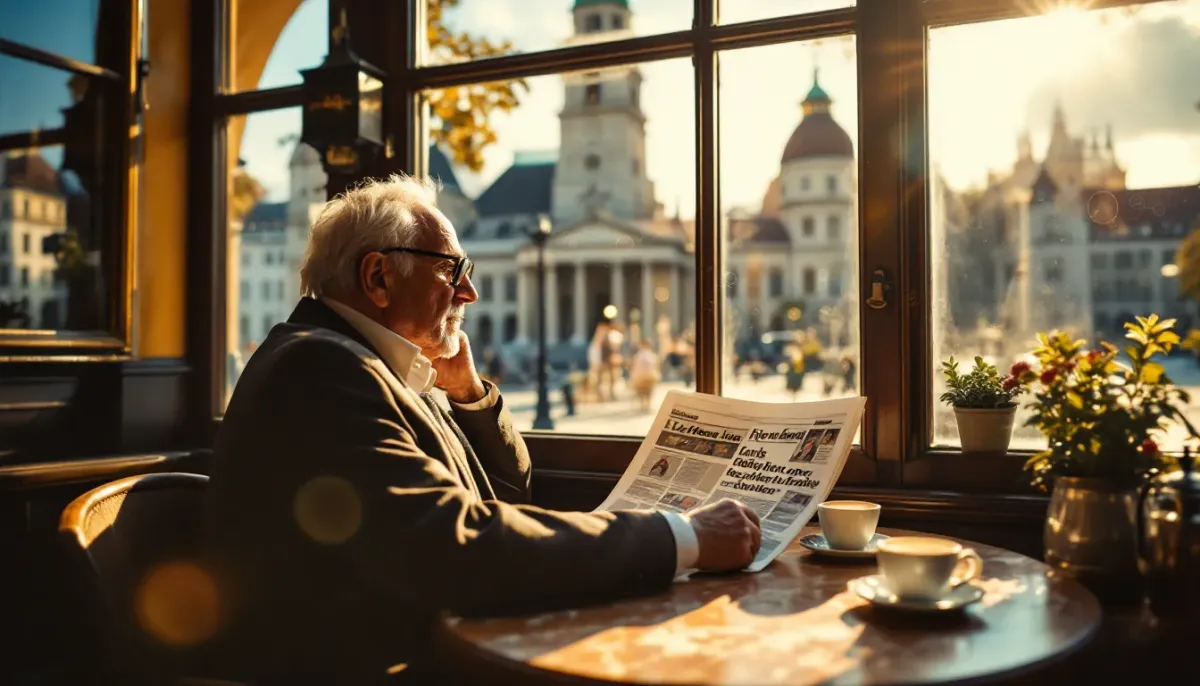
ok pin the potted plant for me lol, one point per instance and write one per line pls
(983, 405)
(1101, 416)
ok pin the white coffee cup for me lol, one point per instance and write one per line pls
(848, 524)
(926, 567)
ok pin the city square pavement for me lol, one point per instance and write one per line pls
(622, 417)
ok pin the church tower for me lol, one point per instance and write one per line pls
(602, 162)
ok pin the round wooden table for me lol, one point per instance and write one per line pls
(793, 623)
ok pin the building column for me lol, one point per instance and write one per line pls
(648, 321)
(525, 313)
(676, 299)
(617, 274)
(552, 304)
(579, 303)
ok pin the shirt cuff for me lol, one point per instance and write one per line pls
(687, 548)
(488, 400)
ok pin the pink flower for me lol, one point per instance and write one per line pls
(1019, 368)
(1010, 383)
(1049, 375)
(1149, 447)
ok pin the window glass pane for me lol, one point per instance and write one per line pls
(733, 11)
(275, 184)
(44, 94)
(275, 40)
(1058, 172)
(788, 173)
(63, 27)
(620, 247)
(497, 27)
(52, 245)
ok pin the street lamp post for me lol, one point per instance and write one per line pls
(540, 236)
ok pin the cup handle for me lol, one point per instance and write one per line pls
(973, 562)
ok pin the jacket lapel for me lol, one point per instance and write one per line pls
(313, 312)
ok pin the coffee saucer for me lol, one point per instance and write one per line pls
(874, 589)
(820, 546)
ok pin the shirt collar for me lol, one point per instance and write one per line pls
(404, 358)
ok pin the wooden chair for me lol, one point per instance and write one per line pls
(149, 606)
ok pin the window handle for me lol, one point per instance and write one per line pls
(881, 285)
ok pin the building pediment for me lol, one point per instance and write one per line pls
(606, 232)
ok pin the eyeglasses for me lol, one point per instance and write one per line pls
(463, 266)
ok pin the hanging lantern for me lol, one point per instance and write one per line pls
(343, 111)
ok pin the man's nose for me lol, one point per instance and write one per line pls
(466, 292)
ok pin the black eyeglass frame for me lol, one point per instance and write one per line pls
(463, 266)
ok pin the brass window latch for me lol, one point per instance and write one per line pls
(881, 285)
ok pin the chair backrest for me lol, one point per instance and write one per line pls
(146, 597)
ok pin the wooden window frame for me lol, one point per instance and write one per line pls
(121, 71)
(891, 38)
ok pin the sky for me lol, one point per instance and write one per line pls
(1133, 68)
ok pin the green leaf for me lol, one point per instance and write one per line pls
(1152, 372)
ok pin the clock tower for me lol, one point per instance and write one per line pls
(602, 161)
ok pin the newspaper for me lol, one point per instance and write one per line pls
(781, 460)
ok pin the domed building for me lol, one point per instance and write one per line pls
(792, 265)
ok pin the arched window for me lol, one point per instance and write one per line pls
(810, 281)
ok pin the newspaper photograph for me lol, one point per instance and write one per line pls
(779, 459)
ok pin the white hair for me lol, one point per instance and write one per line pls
(375, 215)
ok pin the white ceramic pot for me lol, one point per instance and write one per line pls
(985, 430)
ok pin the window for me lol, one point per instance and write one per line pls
(65, 169)
(3, 243)
(591, 23)
(775, 288)
(4, 276)
(810, 281)
(302, 43)
(942, 236)
(1021, 122)
(608, 279)
(618, 22)
(510, 288)
(267, 224)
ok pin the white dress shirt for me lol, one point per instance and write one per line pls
(406, 361)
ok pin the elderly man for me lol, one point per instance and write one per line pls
(366, 478)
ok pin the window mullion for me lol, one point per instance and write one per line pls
(885, 350)
(709, 263)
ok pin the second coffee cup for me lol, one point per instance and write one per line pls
(848, 524)
(926, 567)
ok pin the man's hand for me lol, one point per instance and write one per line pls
(457, 376)
(728, 535)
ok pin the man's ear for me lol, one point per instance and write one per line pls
(373, 273)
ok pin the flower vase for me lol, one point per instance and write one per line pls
(1090, 531)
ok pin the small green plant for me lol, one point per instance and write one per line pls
(980, 388)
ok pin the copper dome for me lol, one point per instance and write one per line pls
(817, 135)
